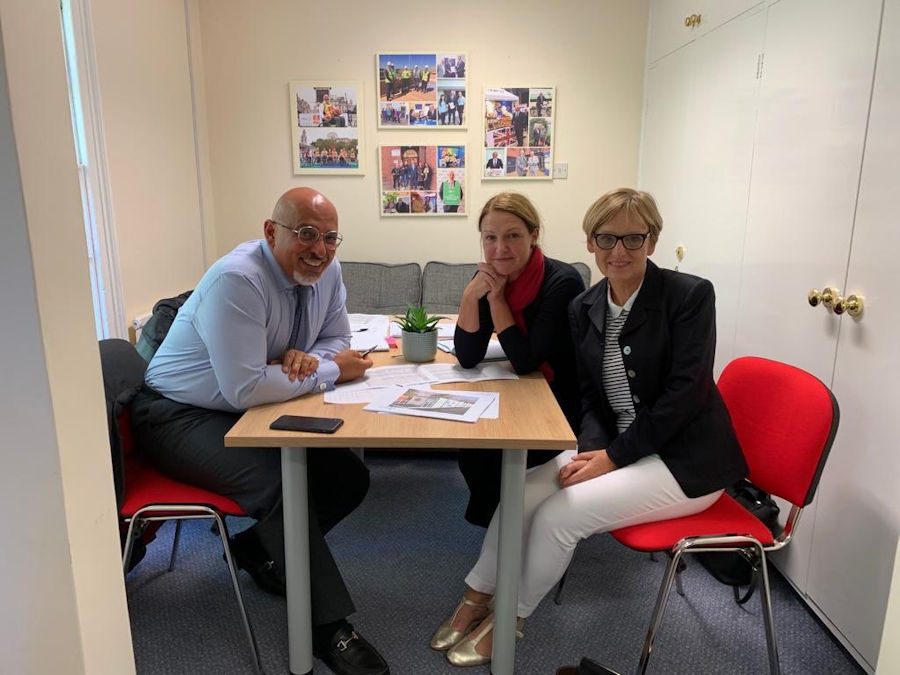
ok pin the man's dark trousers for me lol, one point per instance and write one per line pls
(187, 443)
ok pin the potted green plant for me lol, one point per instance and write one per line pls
(419, 332)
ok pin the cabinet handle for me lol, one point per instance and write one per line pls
(692, 20)
(826, 297)
(852, 304)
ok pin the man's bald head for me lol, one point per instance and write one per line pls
(299, 202)
(297, 208)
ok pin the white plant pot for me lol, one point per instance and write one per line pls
(419, 347)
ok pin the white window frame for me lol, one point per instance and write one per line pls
(96, 195)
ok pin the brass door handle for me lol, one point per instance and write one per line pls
(852, 304)
(692, 20)
(827, 297)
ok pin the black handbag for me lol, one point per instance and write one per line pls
(742, 568)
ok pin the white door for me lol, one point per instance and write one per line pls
(814, 98)
(697, 151)
(858, 512)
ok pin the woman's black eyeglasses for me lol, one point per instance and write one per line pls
(630, 241)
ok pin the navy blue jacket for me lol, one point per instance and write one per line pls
(668, 345)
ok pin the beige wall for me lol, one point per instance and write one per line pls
(592, 51)
(61, 587)
(145, 100)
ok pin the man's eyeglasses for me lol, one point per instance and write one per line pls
(309, 235)
(630, 241)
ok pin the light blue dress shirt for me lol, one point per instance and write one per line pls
(239, 318)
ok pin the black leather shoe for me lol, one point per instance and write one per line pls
(350, 654)
(249, 555)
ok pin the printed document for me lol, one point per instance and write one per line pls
(459, 406)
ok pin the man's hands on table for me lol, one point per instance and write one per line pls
(296, 364)
(353, 365)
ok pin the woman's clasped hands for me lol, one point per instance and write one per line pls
(584, 466)
(491, 282)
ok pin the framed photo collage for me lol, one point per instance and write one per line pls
(422, 91)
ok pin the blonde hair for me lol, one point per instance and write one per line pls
(517, 204)
(638, 205)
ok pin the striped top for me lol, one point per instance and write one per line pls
(615, 381)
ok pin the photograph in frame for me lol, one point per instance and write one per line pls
(422, 180)
(326, 126)
(518, 125)
(421, 90)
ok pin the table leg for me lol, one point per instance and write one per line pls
(294, 489)
(509, 562)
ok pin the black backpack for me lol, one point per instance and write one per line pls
(742, 569)
(156, 328)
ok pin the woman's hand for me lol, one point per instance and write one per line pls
(584, 466)
(496, 282)
(297, 364)
(478, 287)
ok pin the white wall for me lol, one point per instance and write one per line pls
(61, 588)
(145, 92)
(592, 51)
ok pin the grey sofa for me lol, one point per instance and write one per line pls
(382, 288)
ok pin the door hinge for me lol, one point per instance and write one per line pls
(760, 58)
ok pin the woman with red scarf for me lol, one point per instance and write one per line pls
(522, 296)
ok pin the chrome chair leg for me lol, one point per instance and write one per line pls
(251, 638)
(765, 599)
(129, 542)
(656, 620)
(175, 541)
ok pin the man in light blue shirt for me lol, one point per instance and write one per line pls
(266, 323)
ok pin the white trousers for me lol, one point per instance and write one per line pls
(556, 519)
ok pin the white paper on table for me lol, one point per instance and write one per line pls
(387, 376)
(453, 372)
(457, 406)
(368, 331)
(356, 392)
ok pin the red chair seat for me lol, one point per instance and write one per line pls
(144, 485)
(726, 516)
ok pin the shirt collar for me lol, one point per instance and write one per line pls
(615, 309)
(283, 282)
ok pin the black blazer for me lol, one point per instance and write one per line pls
(668, 345)
(548, 336)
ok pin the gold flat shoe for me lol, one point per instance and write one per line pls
(464, 654)
(445, 636)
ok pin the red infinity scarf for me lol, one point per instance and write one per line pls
(522, 292)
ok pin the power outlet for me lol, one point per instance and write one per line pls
(561, 171)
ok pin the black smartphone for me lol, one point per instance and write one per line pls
(320, 425)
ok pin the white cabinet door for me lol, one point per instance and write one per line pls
(697, 151)
(717, 12)
(858, 512)
(668, 31)
(814, 99)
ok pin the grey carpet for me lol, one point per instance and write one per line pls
(404, 554)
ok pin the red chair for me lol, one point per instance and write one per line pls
(147, 496)
(785, 421)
